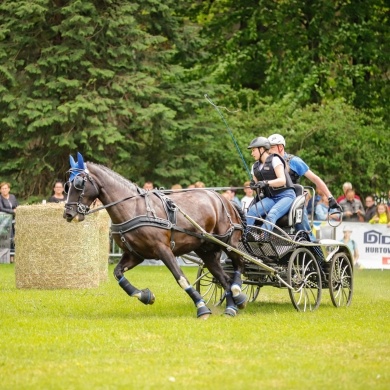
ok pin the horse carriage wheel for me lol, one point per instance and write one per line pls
(341, 280)
(305, 279)
(208, 287)
(252, 291)
(212, 291)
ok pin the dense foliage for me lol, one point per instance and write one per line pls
(124, 83)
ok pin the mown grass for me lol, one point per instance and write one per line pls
(102, 339)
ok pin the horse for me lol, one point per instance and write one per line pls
(151, 225)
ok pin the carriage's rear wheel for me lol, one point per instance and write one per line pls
(341, 280)
(209, 288)
(305, 278)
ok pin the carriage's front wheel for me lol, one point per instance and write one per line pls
(209, 288)
(341, 280)
(251, 290)
(305, 279)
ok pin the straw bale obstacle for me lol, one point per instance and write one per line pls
(52, 253)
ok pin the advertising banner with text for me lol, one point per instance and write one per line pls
(373, 241)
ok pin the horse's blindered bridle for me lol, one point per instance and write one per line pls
(78, 183)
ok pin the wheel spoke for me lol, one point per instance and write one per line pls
(210, 290)
(305, 278)
(341, 280)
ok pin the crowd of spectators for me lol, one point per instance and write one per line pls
(374, 210)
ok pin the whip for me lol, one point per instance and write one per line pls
(236, 145)
(231, 134)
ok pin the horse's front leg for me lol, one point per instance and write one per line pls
(126, 263)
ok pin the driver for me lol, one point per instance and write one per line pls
(270, 176)
(297, 169)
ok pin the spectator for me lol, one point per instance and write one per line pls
(8, 204)
(346, 186)
(230, 194)
(370, 208)
(311, 202)
(347, 231)
(388, 200)
(176, 187)
(235, 197)
(58, 193)
(148, 186)
(248, 198)
(353, 210)
(191, 186)
(200, 184)
(297, 169)
(227, 194)
(269, 176)
(382, 215)
(324, 213)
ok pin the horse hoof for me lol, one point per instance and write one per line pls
(203, 311)
(147, 297)
(204, 317)
(241, 301)
(230, 311)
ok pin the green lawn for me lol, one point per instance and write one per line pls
(103, 339)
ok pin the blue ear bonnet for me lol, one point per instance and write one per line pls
(76, 167)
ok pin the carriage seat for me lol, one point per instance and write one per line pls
(295, 214)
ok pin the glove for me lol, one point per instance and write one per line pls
(259, 185)
(253, 185)
(333, 204)
(262, 184)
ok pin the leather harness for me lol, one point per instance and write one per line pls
(150, 219)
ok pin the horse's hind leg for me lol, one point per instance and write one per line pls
(212, 262)
(240, 299)
(126, 263)
(167, 256)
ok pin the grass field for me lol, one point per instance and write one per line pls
(103, 339)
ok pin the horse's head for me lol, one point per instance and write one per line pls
(81, 190)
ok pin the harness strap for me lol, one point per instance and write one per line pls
(129, 247)
(144, 220)
(109, 205)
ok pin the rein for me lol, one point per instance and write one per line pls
(145, 220)
(110, 204)
(83, 209)
(204, 189)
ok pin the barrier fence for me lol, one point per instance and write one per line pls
(372, 241)
(6, 245)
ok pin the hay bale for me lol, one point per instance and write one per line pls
(52, 253)
(104, 223)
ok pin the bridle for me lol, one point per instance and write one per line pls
(79, 183)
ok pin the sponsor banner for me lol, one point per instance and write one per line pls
(372, 241)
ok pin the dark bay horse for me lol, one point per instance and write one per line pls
(150, 225)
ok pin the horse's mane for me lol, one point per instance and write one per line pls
(116, 176)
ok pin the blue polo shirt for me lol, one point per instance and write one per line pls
(297, 165)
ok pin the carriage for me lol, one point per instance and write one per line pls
(153, 225)
(287, 259)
